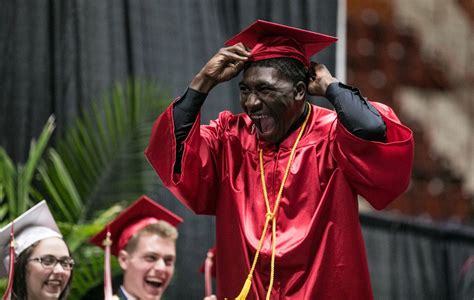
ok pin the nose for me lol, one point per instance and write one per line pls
(160, 264)
(252, 103)
(58, 268)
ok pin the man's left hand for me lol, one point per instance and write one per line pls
(320, 79)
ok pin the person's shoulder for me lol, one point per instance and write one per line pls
(229, 120)
(322, 115)
(226, 115)
(381, 107)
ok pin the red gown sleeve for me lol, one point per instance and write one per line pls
(378, 171)
(196, 185)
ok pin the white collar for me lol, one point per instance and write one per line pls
(127, 295)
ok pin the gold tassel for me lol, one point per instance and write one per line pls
(270, 216)
(245, 289)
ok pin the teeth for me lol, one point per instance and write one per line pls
(259, 117)
(153, 282)
(54, 282)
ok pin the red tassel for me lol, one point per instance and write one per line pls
(8, 292)
(108, 294)
(207, 273)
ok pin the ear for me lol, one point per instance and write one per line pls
(123, 258)
(299, 91)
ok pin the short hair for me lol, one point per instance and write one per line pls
(292, 69)
(162, 228)
(19, 291)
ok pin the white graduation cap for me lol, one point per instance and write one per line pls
(34, 225)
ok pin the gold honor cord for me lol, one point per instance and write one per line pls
(270, 216)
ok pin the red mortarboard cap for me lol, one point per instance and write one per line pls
(272, 40)
(137, 216)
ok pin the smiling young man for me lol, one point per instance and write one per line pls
(143, 237)
(282, 178)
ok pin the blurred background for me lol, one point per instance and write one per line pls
(106, 69)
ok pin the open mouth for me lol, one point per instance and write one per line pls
(155, 283)
(264, 123)
(53, 283)
(53, 286)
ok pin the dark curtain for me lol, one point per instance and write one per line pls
(58, 56)
(418, 259)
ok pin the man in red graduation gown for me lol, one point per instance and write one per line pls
(282, 178)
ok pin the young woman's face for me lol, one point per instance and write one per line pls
(46, 280)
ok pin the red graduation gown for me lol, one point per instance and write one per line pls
(320, 251)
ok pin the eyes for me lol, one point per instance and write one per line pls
(152, 258)
(50, 261)
(260, 90)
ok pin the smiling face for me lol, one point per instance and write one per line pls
(272, 101)
(149, 268)
(44, 283)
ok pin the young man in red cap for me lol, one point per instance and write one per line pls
(282, 179)
(143, 238)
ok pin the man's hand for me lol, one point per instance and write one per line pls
(320, 79)
(223, 66)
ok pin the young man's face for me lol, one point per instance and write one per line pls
(149, 269)
(269, 99)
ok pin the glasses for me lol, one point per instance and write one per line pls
(50, 261)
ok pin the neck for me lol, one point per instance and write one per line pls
(126, 294)
(299, 120)
(297, 123)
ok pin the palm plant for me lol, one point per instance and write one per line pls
(16, 191)
(97, 163)
(103, 153)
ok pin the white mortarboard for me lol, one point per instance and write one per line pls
(34, 225)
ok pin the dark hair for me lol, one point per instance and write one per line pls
(19, 278)
(292, 69)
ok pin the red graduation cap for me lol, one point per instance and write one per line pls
(137, 216)
(272, 40)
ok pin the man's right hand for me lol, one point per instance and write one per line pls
(223, 66)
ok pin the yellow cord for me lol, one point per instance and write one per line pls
(271, 216)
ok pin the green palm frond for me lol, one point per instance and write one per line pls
(16, 190)
(79, 234)
(91, 271)
(103, 154)
(89, 260)
(99, 162)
